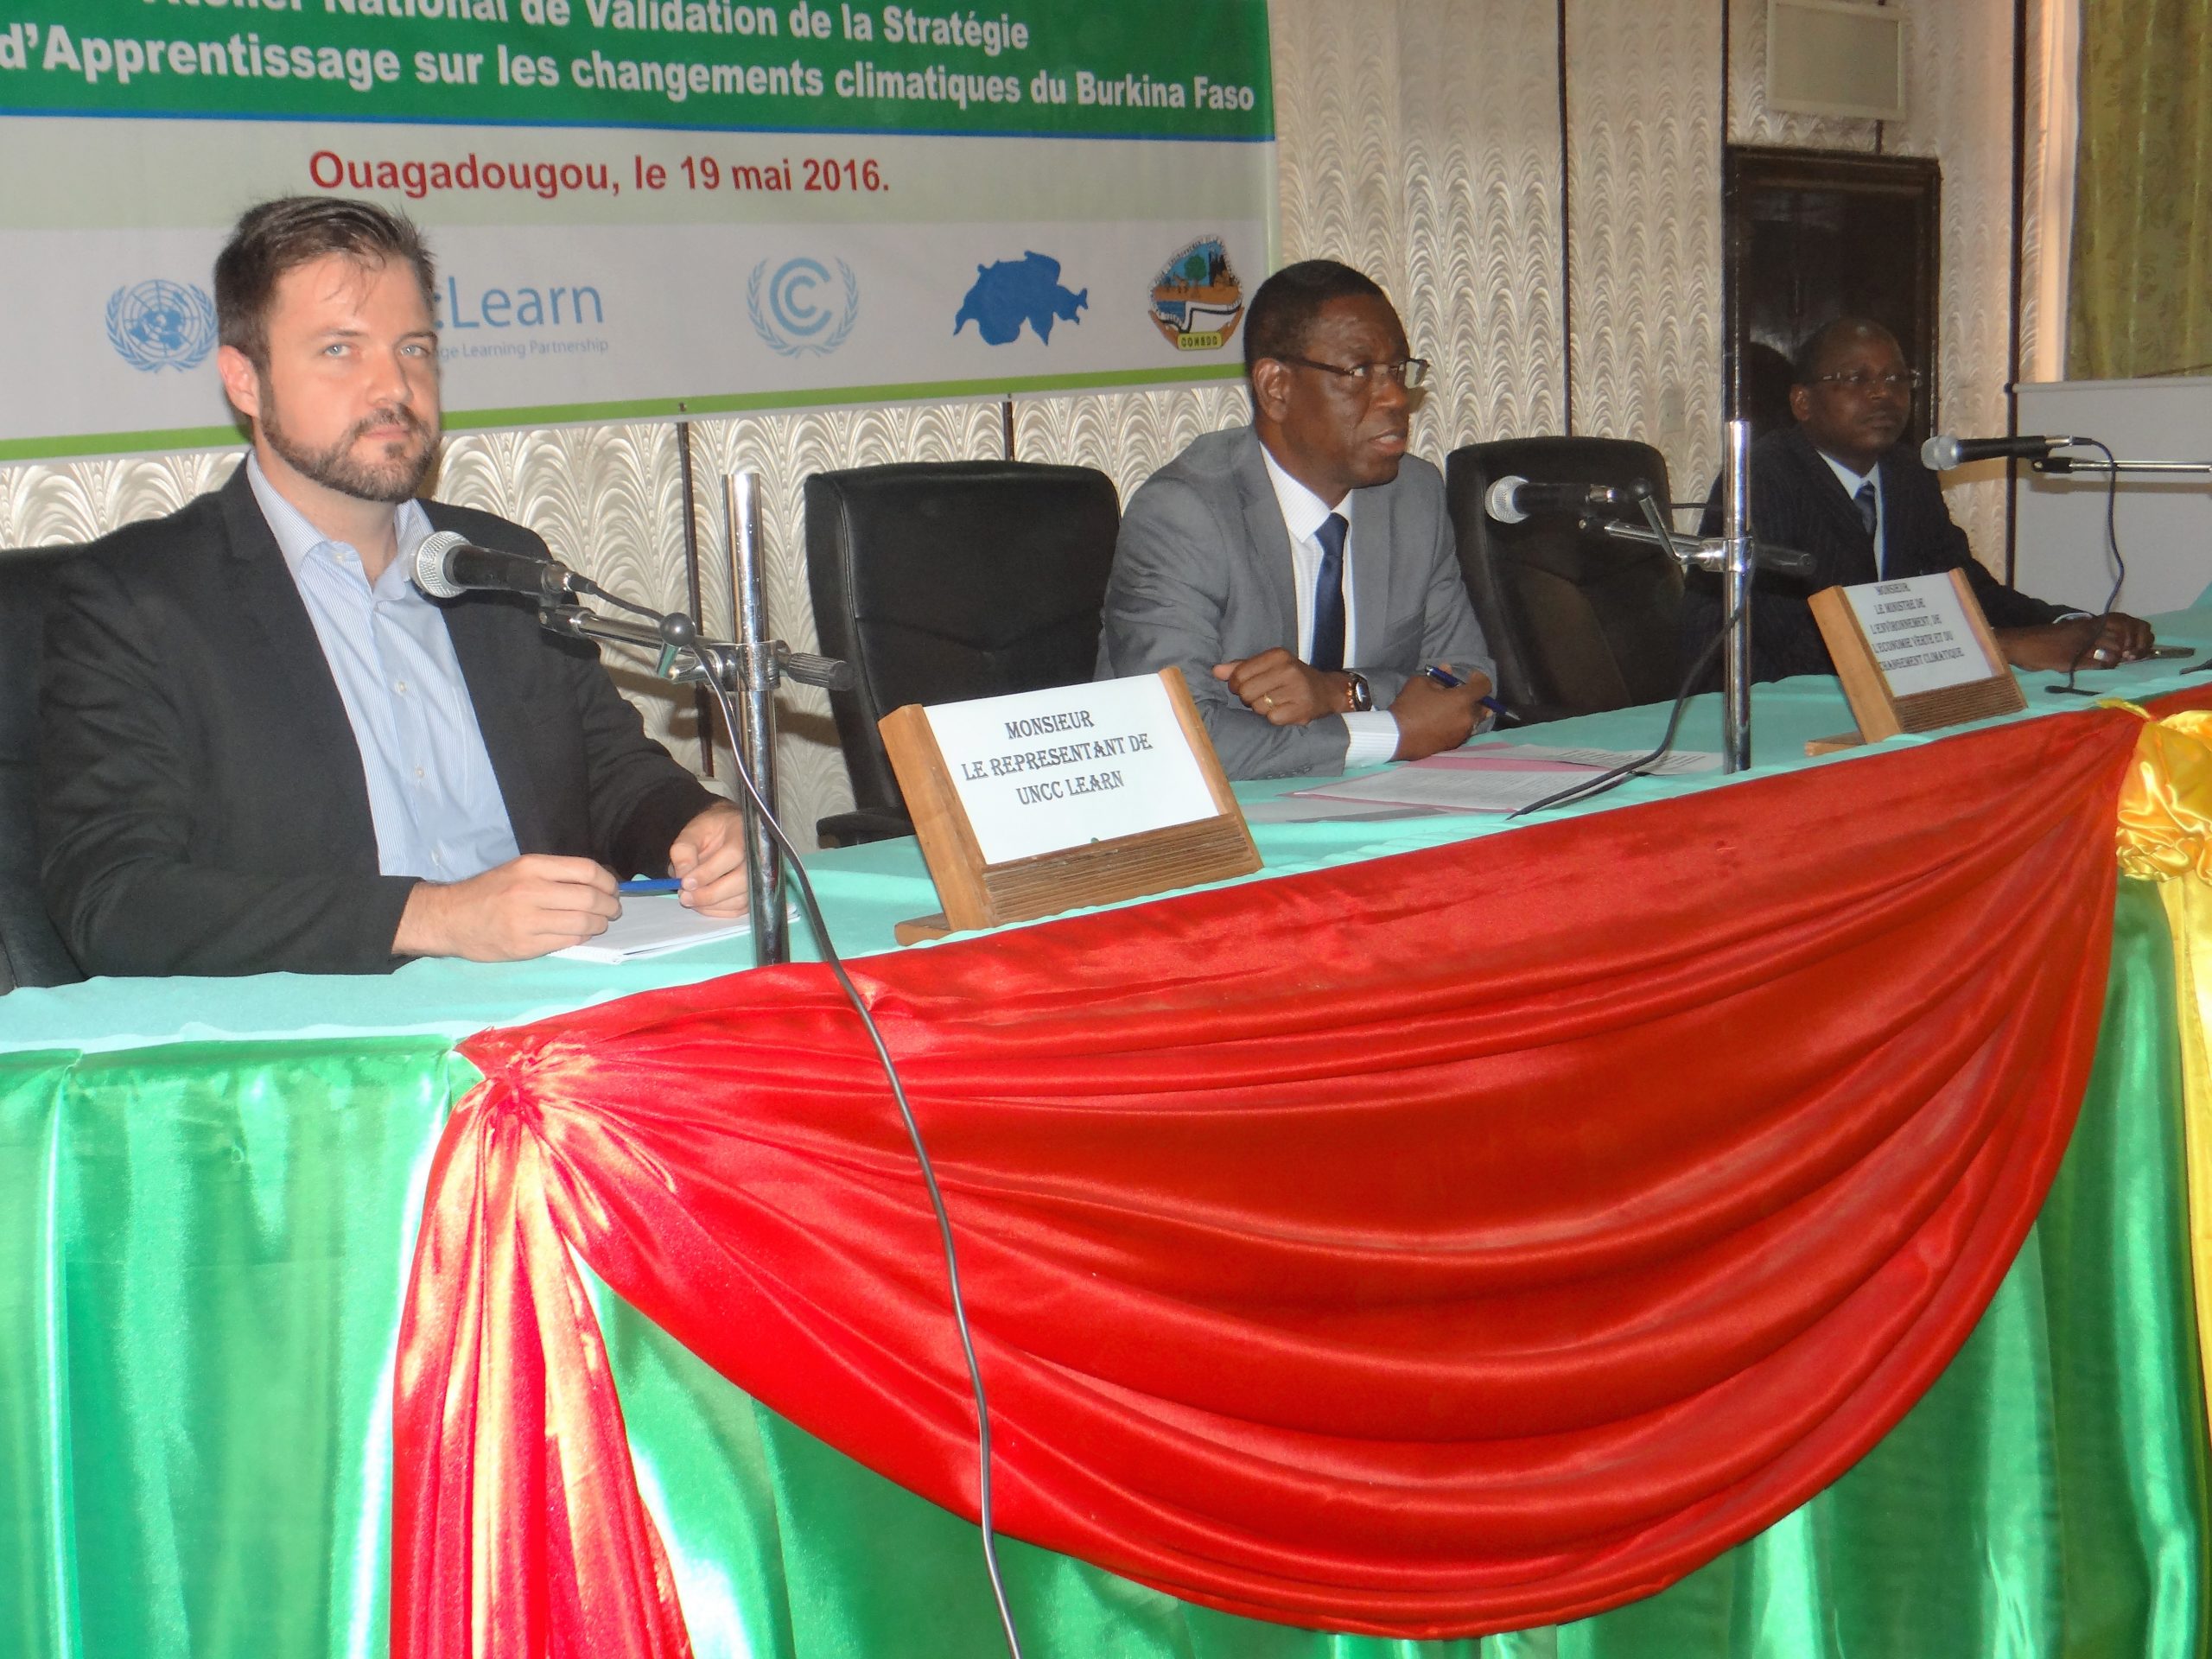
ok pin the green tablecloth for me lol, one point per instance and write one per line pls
(207, 1201)
(868, 890)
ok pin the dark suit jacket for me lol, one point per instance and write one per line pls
(1798, 501)
(202, 808)
(1202, 574)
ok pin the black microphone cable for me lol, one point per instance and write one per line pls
(580, 583)
(2120, 574)
(836, 966)
(1614, 776)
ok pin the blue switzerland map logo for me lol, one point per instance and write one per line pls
(160, 325)
(789, 315)
(1015, 291)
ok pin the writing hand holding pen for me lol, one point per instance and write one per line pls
(1446, 678)
(1436, 711)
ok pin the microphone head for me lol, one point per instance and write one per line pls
(430, 564)
(1941, 453)
(1499, 502)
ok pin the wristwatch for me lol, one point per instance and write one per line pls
(1361, 699)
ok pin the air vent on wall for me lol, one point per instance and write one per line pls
(1831, 57)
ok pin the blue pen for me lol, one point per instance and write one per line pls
(1446, 678)
(650, 883)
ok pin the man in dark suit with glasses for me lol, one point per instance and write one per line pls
(1840, 487)
(1300, 570)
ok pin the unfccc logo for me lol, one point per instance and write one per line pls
(792, 316)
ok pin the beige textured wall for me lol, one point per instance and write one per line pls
(1420, 139)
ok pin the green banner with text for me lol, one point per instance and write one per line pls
(643, 208)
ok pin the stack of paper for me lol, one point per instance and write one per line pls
(652, 923)
(1495, 776)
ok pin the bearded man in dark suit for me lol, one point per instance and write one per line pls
(262, 748)
(1839, 486)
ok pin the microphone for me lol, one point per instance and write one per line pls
(1941, 453)
(1784, 560)
(447, 566)
(1513, 498)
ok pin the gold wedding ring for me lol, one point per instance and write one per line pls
(1268, 701)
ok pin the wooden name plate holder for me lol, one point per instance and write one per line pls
(1914, 655)
(1045, 801)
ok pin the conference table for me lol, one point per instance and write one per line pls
(212, 1194)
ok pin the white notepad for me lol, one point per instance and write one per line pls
(652, 924)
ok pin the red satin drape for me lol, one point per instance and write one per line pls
(1462, 1241)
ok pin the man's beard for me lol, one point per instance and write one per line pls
(394, 478)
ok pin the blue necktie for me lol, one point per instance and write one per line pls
(1869, 515)
(1329, 595)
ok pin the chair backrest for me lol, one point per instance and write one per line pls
(1578, 620)
(31, 952)
(945, 581)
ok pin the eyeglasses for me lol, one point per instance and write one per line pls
(1411, 372)
(1859, 380)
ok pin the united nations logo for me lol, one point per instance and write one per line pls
(1196, 300)
(796, 310)
(161, 325)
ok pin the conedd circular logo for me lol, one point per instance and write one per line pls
(1196, 300)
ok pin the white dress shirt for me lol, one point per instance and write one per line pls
(433, 797)
(1374, 733)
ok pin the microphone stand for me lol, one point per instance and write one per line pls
(748, 669)
(2062, 465)
(1736, 600)
(1733, 554)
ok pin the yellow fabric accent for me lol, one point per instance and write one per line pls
(2189, 918)
(2164, 831)
(2165, 806)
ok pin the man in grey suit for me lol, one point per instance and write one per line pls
(1300, 571)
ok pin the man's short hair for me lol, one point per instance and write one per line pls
(1805, 367)
(278, 237)
(1283, 311)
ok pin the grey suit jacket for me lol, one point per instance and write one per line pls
(1202, 574)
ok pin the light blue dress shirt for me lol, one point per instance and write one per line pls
(432, 795)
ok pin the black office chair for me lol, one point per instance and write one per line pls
(1578, 621)
(940, 582)
(31, 952)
